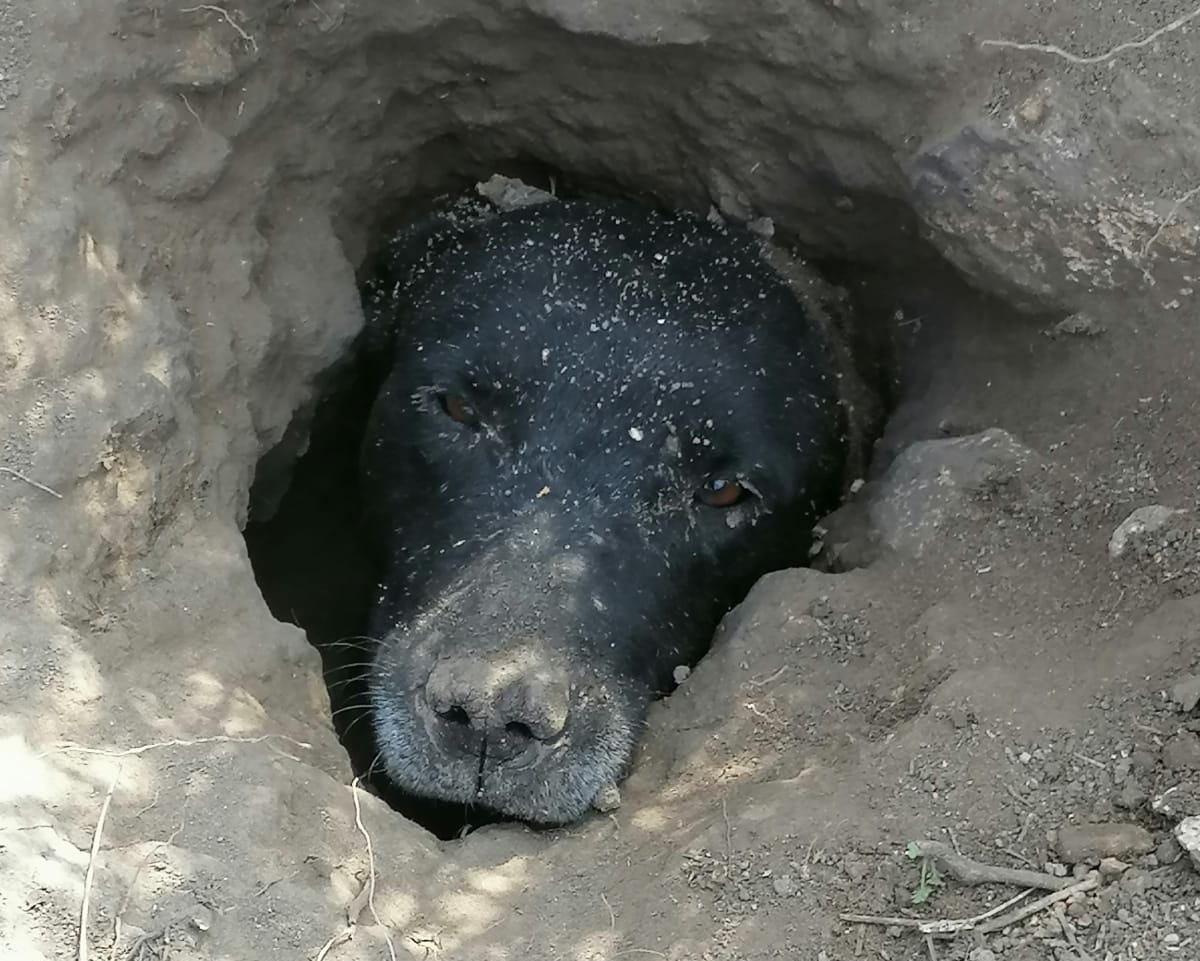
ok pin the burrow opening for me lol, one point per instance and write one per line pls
(303, 533)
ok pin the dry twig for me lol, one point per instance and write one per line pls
(364, 899)
(937, 926)
(86, 904)
(358, 822)
(612, 915)
(70, 747)
(1021, 913)
(224, 15)
(971, 872)
(30, 481)
(1169, 218)
(190, 109)
(728, 841)
(1057, 51)
(980, 922)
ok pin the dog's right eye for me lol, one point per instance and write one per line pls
(721, 492)
(458, 408)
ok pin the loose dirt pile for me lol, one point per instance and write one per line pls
(188, 191)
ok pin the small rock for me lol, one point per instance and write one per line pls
(1182, 752)
(204, 64)
(1171, 939)
(190, 174)
(1054, 869)
(1168, 852)
(762, 227)
(608, 798)
(1033, 109)
(1089, 842)
(1112, 867)
(959, 717)
(1178, 801)
(982, 954)
(895, 931)
(1132, 795)
(784, 886)
(932, 483)
(681, 673)
(855, 869)
(1143, 761)
(202, 918)
(1187, 833)
(1144, 520)
(1135, 883)
(1185, 692)
(1078, 324)
(508, 193)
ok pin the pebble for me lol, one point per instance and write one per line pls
(1087, 842)
(608, 798)
(1185, 692)
(1112, 867)
(1143, 762)
(1171, 939)
(1078, 325)
(856, 869)
(1182, 752)
(1132, 795)
(1135, 883)
(1144, 520)
(784, 886)
(681, 673)
(1168, 852)
(1187, 833)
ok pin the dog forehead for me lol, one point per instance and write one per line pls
(608, 380)
(558, 342)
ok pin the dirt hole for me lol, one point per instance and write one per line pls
(303, 535)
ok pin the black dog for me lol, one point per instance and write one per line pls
(600, 426)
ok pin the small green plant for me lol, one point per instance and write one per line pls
(930, 879)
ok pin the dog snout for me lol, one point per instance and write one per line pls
(511, 700)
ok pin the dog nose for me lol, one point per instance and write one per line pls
(513, 700)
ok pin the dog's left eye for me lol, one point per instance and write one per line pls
(458, 408)
(721, 492)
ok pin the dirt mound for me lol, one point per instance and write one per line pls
(190, 192)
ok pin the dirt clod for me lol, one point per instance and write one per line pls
(1093, 842)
